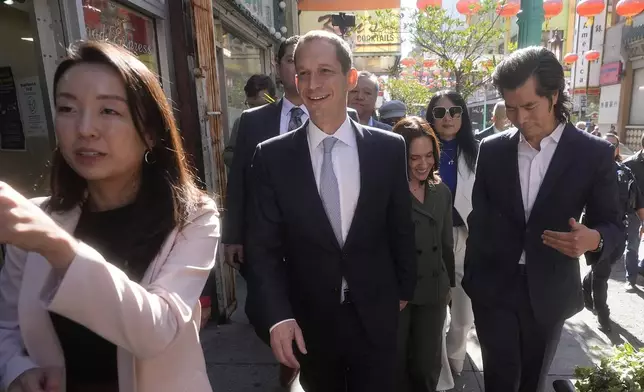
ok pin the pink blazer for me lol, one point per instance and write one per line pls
(154, 323)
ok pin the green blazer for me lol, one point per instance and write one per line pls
(434, 245)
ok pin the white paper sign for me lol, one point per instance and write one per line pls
(32, 110)
(582, 43)
(609, 104)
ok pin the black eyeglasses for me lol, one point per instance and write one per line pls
(440, 112)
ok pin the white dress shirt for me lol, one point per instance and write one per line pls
(346, 166)
(285, 118)
(533, 166)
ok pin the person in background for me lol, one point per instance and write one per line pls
(420, 330)
(633, 264)
(363, 99)
(595, 283)
(392, 111)
(331, 245)
(259, 91)
(101, 283)
(532, 183)
(581, 125)
(596, 131)
(448, 116)
(255, 126)
(499, 119)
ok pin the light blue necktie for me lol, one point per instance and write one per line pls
(329, 190)
(330, 195)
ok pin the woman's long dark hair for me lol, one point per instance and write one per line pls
(168, 193)
(413, 127)
(467, 144)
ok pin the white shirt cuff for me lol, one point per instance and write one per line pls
(14, 369)
(281, 322)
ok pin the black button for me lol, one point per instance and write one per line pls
(336, 290)
(419, 251)
(435, 248)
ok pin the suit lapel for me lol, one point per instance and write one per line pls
(561, 159)
(513, 159)
(307, 187)
(274, 119)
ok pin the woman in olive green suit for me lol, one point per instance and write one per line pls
(421, 324)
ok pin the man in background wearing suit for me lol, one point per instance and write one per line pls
(255, 126)
(522, 259)
(331, 247)
(499, 119)
(363, 99)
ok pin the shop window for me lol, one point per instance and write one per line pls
(109, 20)
(241, 60)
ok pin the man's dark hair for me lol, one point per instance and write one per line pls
(541, 63)
(372, 78)
(290, 41)
(257, 83)
(342, 49)
(642, 142)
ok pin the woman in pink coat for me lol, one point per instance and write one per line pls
(101, 282)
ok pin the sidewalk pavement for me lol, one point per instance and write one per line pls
(239, 362)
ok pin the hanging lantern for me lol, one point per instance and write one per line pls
(590, 9)
(430, 80)
(570, 58)
(428, 63)
(592, 55)
(408, 62)
(508, 8)
(468, 8)
(551, 8)
(425, 73)
(437, 72)
(629, 9)
(422, 4)
(415, 73)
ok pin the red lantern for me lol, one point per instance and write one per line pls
(425, 73)
(429, 63)
(415, 73)
(628, 9)
(422, 4)
(590, 8)
(552, 8)
(592, 55)
(408, 62)
(468, 7)
(508, 8)
(570, 58)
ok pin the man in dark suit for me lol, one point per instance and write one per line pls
(331, 246)
(522, 259)
(363, 99)
(499, 120)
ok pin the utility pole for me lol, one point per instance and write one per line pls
(530, 21)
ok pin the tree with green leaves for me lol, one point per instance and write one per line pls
(465, 50)
(411, 92)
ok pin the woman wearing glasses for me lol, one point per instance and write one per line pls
(447, 114)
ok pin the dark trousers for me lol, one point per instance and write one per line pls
(632, 262)
(517, 349)
(346, 360)
(420, 334)
(595, 283)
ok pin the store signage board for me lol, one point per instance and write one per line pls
(31, 107)
(609, 104)
(12, 136)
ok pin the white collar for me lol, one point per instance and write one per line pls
(555, 136)
(370, 123)
(288, 105)
(345, 134)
